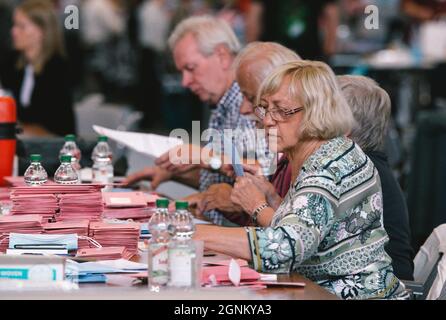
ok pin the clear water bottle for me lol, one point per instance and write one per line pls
(182, 256)
(159, 226)
(35, 174)
(102, 162)
(66, 174)
(70, 148)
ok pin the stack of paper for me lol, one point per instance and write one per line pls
(105, 253)
(4, 194)
(19, 224)
(116, 234)
(127, 205)
(42, 204)
(80, 206)
(69, 227)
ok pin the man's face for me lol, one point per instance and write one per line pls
(205, 76)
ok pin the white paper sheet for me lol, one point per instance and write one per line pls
(147, 143)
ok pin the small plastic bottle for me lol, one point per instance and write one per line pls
(35, 174)
(70, 148)
(102, 162)
(182, 256)
(159, 227)
(66, 174)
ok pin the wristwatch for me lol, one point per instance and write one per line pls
(257, 211)
(215, 163)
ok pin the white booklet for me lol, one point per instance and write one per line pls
(151, 144)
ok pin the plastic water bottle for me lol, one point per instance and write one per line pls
(35, 174)
(70, 148)
(182, 256)
(66, 174)
(102, 162)
(159, 226)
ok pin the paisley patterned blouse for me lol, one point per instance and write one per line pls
(329, 227)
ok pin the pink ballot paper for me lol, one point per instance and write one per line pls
(124, 199)
(105, 253)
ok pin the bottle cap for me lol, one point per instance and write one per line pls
(65, 158)
(181, 205)
(102, 138)
(162, 203)
(35, 157)
(70, 137)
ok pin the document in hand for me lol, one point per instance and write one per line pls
(147, 143)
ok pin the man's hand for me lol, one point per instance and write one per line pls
(156, 174)
(218, 196)
(181, 158)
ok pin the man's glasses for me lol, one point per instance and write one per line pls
(277, 114)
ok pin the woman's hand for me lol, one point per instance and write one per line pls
(247, 195)
(261, 182)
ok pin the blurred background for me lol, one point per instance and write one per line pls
(121, 74)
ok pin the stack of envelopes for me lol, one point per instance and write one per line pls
(105, 253)
(116, 234)
(127, 205)
(30, 223)
(42, 204)
(78, 206)
(79, 227)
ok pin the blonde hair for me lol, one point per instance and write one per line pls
(326, 113)
(264, 57)
(209, 33)
(371, 108)
(43, 14)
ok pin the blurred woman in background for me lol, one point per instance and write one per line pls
(37, 75)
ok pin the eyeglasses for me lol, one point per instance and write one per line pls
(277, 114)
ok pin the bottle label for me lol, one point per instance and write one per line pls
(158, 264)
(181, 269)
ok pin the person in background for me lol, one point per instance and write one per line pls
(204, 49)
(153, 24)
(328, 227)
(305, 26)
(252, 65)
(371, 108)
(38, 74)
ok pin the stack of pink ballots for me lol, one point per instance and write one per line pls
(79, 206)
(116, 235)
(4, 194)
(42, 204)
(105, 253)
(30, 223)
(69, 227)
(127, 205)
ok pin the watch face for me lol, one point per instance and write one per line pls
(215, 163)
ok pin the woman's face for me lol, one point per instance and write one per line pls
(282, 135)
(26, 35)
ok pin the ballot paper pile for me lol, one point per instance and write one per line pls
(78, 206)
(30, 223)
(69, 227)
(105, 253)
(135, 205)
(45, 205)
(116, 234)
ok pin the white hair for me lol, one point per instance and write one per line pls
(209, 33)
(263, 57)
(371, 108)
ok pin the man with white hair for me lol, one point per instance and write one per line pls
(371, 109)
(204, 49)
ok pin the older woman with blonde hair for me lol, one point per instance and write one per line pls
(329, 225)
(38, 75)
